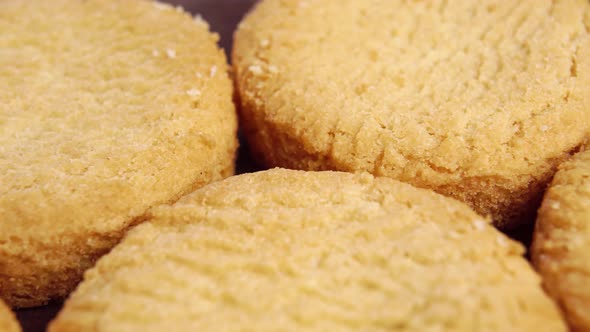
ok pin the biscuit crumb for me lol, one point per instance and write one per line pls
(199, 75)
(171, 53)
(479, 224)
(155, 53)
(544, 128)
(264, 43)
(213, 71)
(501, 241)
(273, 69)
(193, 92)
(243, 25)
(255, 69)
(454, 235)
(555, 205)
(198, 18)
(161, 6)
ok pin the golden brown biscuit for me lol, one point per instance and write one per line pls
(319, 251)
(561, 247)
(478, 100)
(107, 108)
(8, 322)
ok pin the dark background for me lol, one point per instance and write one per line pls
(223, 16)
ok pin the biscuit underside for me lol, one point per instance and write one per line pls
(434, 93)
(561, 247)
(318, 251)
(107, 108)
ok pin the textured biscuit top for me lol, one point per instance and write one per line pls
(321, 251)
(107, 107)
(476, 99)
(561, 247)
(8, 322)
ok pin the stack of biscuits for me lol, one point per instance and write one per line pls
(398, 139)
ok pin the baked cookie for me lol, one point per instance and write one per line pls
(320, 251)
(107, 108)
(478, 100)
(561, 246)
(8, 322)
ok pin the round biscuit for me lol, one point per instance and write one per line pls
(561, 246)
(107, 108)
(312, 251)
(478, 100)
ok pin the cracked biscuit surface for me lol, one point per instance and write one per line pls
(107, 108)
(312, 251)
(8, 322)
(478, 100)
(561, 247)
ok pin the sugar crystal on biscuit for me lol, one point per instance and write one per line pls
(193, 92)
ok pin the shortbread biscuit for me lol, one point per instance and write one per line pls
(478, 100)
(320, 251)
(561, 247)
(8, 322)
(107, 108)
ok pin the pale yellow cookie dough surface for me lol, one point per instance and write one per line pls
(8, 322)
(478, 100)
(107, 108)
(561, 247)
(294, 251)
